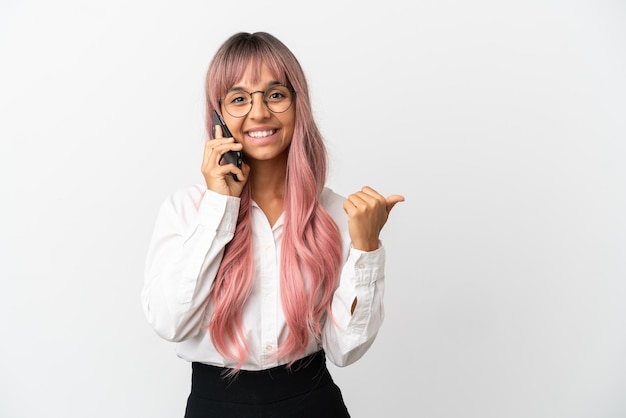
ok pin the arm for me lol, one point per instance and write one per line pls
(192, 228)
(357, 307)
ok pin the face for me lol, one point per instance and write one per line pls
(265, 135)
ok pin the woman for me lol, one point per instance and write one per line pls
(262, 273)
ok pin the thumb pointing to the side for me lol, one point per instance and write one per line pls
(392, 200)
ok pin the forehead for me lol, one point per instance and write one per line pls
(255, 73)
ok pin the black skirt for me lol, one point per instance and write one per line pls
(306, 390)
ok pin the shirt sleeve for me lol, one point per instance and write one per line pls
(192, 228)
(348, 334)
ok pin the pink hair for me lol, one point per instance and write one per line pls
(311, 249)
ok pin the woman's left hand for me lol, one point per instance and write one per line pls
(368, 212)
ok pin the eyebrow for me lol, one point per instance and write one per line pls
(270, 84)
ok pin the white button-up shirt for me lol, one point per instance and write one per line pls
(192, 228)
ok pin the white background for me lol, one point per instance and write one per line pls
(502, 123)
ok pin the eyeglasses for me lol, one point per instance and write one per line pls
(238, 103)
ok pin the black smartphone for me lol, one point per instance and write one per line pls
(231, 157)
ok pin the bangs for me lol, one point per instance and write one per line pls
(248, 61)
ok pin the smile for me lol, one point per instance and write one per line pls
(261, 134)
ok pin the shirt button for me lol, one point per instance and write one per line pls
(268, 347)
(361, 266)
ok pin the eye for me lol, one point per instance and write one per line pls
(237, 98)
(277, 94)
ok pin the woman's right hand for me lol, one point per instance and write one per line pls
(218, 177)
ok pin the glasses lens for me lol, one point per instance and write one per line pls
(278, 98)
(238, 103)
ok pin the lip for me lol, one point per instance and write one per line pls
(260, 135)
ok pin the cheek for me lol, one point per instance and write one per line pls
(235, 128)
(288, 134)
(289, 126)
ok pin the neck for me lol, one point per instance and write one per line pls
(267, 184)
(268, 178)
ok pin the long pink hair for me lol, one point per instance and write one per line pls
(311, 248)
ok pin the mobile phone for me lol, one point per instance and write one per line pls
(231, 157)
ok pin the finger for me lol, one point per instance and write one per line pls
(348, 205)
(245, 170)
(351, 204)
(208, 149)
(392, 200)
(214, 149)
(241, 173)
(372, 195)
(357, 200)
(223, 145)
(214, 143)
(217, 132)
(371, 192)
(209, 146)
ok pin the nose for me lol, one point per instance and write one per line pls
(259, 109)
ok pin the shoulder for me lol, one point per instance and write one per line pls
(332, 202)
(330, 197)
(185, 197)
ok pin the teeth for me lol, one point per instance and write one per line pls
(261, 134)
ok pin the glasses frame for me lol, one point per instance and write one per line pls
(293, 92)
